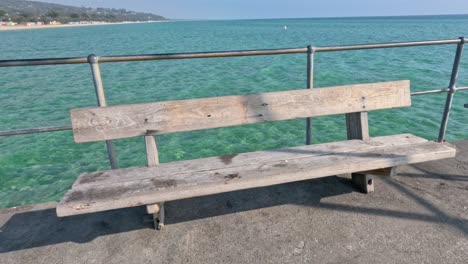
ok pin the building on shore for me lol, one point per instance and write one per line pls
(7, 23)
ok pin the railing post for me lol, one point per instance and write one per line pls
(452, 89)
(93, 61)
(310, 85)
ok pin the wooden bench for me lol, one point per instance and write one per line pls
(156, 183)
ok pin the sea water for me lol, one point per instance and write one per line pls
(41, 167)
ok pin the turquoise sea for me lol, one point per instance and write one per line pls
(41, 167)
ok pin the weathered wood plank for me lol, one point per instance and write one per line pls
(152, 155)
(243, 159)
(166, 188)
(357, 126)
(96, 124)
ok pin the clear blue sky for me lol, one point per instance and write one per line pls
(232, 9)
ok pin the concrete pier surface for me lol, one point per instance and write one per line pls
(419, 216)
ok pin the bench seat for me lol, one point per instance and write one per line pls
(137, 186)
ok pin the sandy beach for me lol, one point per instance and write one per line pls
(21, 27)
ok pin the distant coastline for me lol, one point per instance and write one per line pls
(23, 27)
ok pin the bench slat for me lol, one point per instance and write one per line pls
(93, 198)
(242, 159)
(97, 124)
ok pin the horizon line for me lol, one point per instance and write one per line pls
(322, 17)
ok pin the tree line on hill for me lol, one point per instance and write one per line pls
(21, 11)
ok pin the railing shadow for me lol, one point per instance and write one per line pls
(449, 177)
(438, 169)
(439, 215)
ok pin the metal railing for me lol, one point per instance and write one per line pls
(94, 62)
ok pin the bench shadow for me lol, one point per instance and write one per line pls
(308, 193)
(43, 227)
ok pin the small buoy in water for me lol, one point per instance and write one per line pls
(285, 28)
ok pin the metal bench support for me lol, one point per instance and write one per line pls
(157, 210)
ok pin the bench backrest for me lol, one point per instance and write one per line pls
(125, 121)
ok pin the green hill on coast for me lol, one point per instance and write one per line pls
(20, 11)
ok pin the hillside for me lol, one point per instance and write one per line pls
(23, 11)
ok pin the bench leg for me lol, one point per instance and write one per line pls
(364, 182)
(157, 210)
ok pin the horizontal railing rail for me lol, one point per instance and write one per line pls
(220, 54)
(94, 62)
(34, 130)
